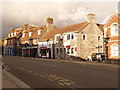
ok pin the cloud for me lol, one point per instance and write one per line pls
(14, 15)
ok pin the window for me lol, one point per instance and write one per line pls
(72, 50)
(35, 41)
(98, 38)
(57, 50)
(64, 50)
(11, 34)
(115, 50)
(23, 35)
(61, 38)
(57, 38)
(68, 36)
(72, 36)
(61, 50)
(114, 29)
(84, 37)
(30, 33)
(14, 33)
(39, 32)
(68, 51)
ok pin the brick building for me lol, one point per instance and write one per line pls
(112, 36)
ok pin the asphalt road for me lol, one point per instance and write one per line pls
(53, 74)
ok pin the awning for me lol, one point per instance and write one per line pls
(68, 46)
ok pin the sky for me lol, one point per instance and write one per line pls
(16, 14)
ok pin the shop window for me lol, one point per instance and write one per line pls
(68, 52)
(61, 50)
(57, 50)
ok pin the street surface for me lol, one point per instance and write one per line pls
(54, 74)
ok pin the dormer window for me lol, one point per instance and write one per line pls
(114, 29)
(11, 34)
(39, 32)
(14, 33)
(30, 33)
(23, 35)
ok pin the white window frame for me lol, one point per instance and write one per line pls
(15, 33)
(39, 32)
(23, 35)
(114, 52)
(30, 34)
(35, 41)
(113, 32)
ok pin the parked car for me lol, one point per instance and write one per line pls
(95, 55)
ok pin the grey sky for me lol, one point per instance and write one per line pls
(16, 14)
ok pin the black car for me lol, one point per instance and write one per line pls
(95, 55)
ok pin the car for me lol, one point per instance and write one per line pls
(95, 55)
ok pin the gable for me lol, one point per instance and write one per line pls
(113, 19)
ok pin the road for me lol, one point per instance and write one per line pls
(54, 74)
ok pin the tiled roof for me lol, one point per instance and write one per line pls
(69, 28)
(113, 19)
(101, 27)
(34, 33)
(18, 31)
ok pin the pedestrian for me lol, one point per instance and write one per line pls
(34, 53)
(98, 58)
(89, 58)
(27, 52)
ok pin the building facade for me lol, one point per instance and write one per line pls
(29, 40)
(112, 36)
(45, 44)
(11, 42)
(79, 41)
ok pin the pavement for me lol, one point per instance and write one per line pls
(7, 82)
(10, 81)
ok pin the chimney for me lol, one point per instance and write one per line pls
(49, 23)
(25, 26)
(12, 30)
(91, 18)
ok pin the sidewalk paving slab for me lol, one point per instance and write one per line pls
(10, 81)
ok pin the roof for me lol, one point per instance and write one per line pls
(34, 33)
(69, 28)
(101, 27)
(113, 19)
(18, 31)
